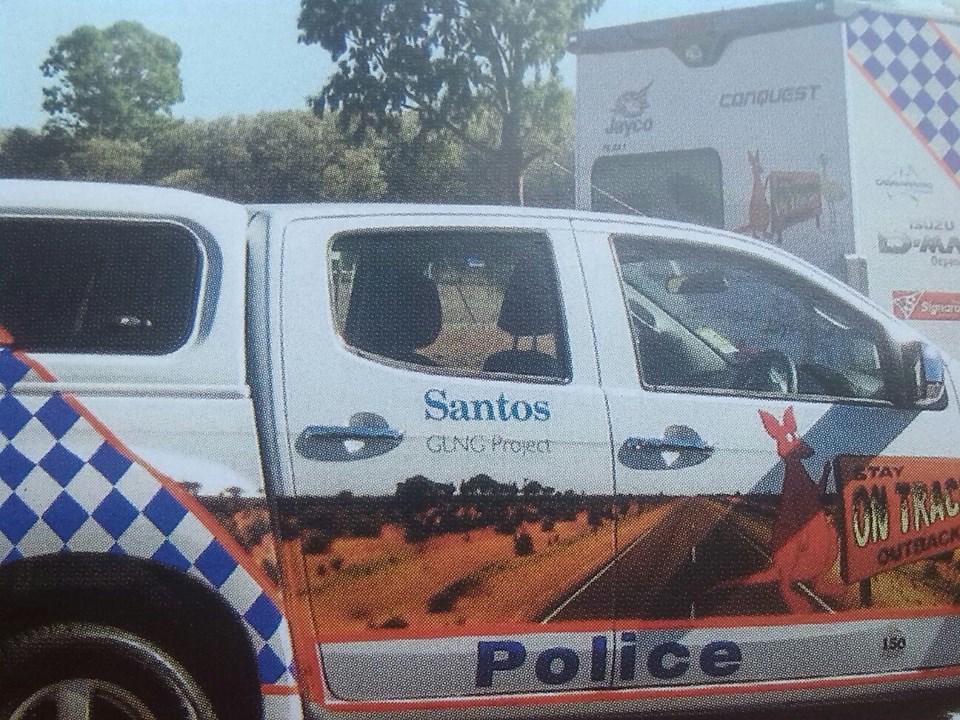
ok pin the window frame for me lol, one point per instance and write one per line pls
(201, 270)
(594, 188)
(564, 356)
(888, 356)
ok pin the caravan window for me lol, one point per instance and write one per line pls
(685, 185)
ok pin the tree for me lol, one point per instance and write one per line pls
(288, 156)
(481, 484)
(28, 154)
(417, 495)
(191, 487)
(458, 64)
(426, 166)
(106, 160)
(119, 83)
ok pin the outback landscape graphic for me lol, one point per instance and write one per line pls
(487, 553)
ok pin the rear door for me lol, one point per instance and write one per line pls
(764, 473)
(450, 449)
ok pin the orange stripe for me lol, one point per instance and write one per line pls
(657, 693)
(278, 689)
(946, 38)
(39, 369)
(300, 618)
(893, 106)
(612, 625)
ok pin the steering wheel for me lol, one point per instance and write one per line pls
(769, 370)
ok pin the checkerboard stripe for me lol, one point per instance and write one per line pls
(915, 68)
(67, 484)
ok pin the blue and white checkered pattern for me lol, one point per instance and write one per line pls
(64, 487)
(917, 70)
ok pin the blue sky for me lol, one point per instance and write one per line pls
(239, 56)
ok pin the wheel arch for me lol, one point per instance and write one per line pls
(180, 614)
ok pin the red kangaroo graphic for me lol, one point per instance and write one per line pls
(758, 224)
(804, 544)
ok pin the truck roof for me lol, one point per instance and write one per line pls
(68, 196)
(293, 211)
(713, 31)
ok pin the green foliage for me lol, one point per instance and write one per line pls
(417, 495)
(28, 154)
(117, 83)
(394, 622)
(101, 159)
(316, 542)
(289, 156)
(57, 155)
(483, 70)
(425, 166)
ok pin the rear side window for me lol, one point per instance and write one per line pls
(462, 302)
(91, 286)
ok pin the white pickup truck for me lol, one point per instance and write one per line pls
(405, 461)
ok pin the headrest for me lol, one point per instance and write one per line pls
(393, 315)
(530, 301)
(421, 316)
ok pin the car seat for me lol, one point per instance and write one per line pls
(529, 309)
(394, 316)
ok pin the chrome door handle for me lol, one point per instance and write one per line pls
(352, 432)
(331, 443)
(648, 453)
(673, 445)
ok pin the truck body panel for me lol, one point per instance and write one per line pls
(485, 461)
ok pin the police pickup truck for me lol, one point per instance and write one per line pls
(419, 461)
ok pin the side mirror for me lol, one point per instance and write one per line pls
(925, 375)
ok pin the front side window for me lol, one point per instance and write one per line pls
(719, 321)
(97, 286)
(454, 301)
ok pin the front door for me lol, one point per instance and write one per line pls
(450, 451)
(767, 477)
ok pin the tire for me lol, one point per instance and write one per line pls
(112, 674)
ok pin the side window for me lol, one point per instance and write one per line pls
(97, 286)
(718, 321)
(682, 185)
(451, 301)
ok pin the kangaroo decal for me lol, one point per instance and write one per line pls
(804, 544)
(758, 224)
